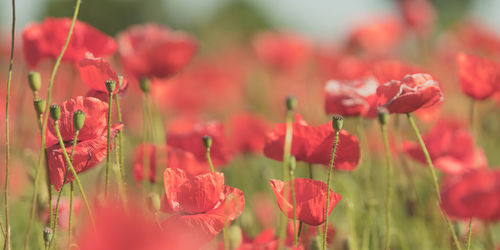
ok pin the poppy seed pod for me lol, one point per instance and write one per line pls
(110, 85)
(383, 115)
(145, 85)
(337, 122)
(291, 102)
(55, 112)
(78, 119)
(39, 105)
(34, 81)
(207, 141)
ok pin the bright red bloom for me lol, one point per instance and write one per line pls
(248, 132)
(179, 158)
(202, 203)
(420, 15)
(92, 140)
(46, 39)
(479, 77)
(388, 70)
(451, 148)
(310, 197)
(475, 194)
(313, 144)
(96, 71)
(351, 98)
(151, 50)
(189, 138)
(282, 51)
(408, 95)
(378, 35)
(140, 159)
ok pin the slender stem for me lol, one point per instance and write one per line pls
(300, 228)
(7, 138)
(54, 223)
(490, 243)
(294, 206)
(434, 177)
(287, 148)
(75, 175)
(469, 235)
(70, 220)
(45, 115)
(108, 148)
(334, 149)
(310, 168)
(209, 159)
(120, 141)
(389, 177)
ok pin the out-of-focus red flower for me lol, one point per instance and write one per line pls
(63, 214)
(92, 140)
(313, 144)
(475, 194)
(151, 50)
(342, 66)
(96, 71)
(264, 208)
(378, 35)
(419, 15)
(282, 51)
(451, 148)
(351, 98)
(189, 138)
(46, 40)
(410, 94)
(388, 70)
(179, 158)
(248, 132)
(201, 204)
(478, 38)
(479, 77)
(310, 196)
(145, 154)
(267, 240)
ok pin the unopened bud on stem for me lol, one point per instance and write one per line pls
(78, 120)
(110, 85)
(207, 141)
(337, 122)
(383, 115)
(39, 105)
(34, 81)
(145, 85)
(291, 102)
(55, 112)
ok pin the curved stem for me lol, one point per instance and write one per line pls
(209, 159)
(54, 223)
(469, 235)
(383, 127)
(108, 147)
(45, 115)
(434, 177)
(335, 144)
(7, 138)
(75, 175)
(286, 157)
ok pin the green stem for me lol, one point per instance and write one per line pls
(286, 157)
(294, 206)
(310, 168)
(334, 149)
(469, 235)
(54, 223)
(434, 177)
(70, 221)
(45, 115)
(209, 159)
(75, 175)
(120, 140)
(388, 188)
(7, 138)
(108, 147)
(489, 235)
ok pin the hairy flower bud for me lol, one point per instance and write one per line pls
(39, 105)
(55, 112)
(78, 119)
(110, 85)
(337, 122)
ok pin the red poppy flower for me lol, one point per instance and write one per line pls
(92, 140)
(479, 38)
(140, 159)
(151, 50)
(479, 77)
(313, 144)
(475, 194)
(378, 35)
(202, 203)
(408, 95)
(46, 39)
(179, 158)
(96, 71)
(351, 98)
(310, 197)
(388, 70)
(248, 132)
(282, 51)
(341, 65)
(189, 138)
(419, 15)
(451, 148)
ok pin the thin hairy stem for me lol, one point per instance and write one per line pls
(469, 234)
(108, 147)
(294, 207)
(287, 148)
(329, 179)
(388, 194)
(120, 141)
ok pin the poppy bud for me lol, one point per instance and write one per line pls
(110, 85)
(145, 85)
(235, 238)
(39, 105)
(47, 235)
(383, 115)
(293, 163)
(78, 119)
(291, 102)
(34, 81)
(55, 112)
(207, 141)
(337, 122)
(315, 243)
